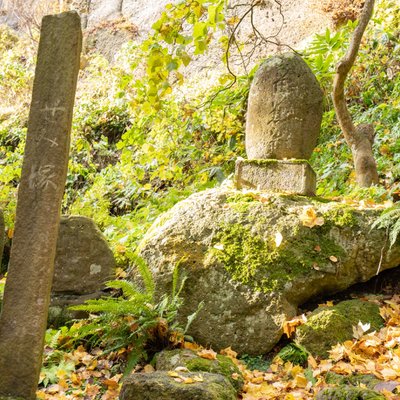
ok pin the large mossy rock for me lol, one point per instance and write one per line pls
(168, 360)
(225, 241)
(327, 326)
(348, 393)
(161, 386)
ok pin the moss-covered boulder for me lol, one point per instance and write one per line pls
(170, 359)
(253, 257)
(160, 385)
(327, 326)
(369, 381)
(348, 393)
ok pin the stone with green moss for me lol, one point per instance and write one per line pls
(327, 326)
(170, 359)
(346, 392)
(252, 259)
(367, 380)
(160, 385)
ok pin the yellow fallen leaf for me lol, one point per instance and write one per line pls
(191, 346)
(229, 353)
(289, 327)
(301, 381)
(187, 380)
(148, 368)
(310, 219)
(278, 239)
(173, 374)
(198, 378)
(110, 383)
(208, 354)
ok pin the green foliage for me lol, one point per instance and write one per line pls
(258, 363)
(294, 353)
(134, 319)
(389, 220)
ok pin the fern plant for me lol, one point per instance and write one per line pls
(389, 220)
(133, 320)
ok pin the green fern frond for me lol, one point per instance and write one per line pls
(114, 306)
(390, 220)
(129, 289)
(146, 274)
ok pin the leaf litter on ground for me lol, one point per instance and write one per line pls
(98, 376)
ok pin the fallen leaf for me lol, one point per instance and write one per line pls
(310, 219)
(360, 329)
(110, 383)
(278, 239)
(208, 354)
(148, 368)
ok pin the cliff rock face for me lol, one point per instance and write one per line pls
(286, 23)
(253, 258)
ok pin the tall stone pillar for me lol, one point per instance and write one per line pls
(27, 292)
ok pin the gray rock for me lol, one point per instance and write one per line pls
(284, 110)
(84, 261)
(348, 393)
(168, 360)
(327, 326)
(224, 240)
(296, 177)
(160, 386)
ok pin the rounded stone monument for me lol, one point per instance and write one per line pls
(284, 110)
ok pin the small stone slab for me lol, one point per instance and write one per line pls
(295, 177)
(161, 386)
(168, 360)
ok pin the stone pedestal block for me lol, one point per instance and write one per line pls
(295, 177)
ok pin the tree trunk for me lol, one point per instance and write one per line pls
(360, 138)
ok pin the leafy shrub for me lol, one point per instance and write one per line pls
(134, 319)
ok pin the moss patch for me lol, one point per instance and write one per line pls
(341, 216)
(222, 365)
(327, 326)
(257, 262)
(348, 393)
(369, 381)
(241, 202)
(170, 359)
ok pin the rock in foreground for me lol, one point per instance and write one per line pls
(327, 326)
(253, 258)
(161, 386)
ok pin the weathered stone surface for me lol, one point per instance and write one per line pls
(27, 293)
(2, 235)
(59, 312)
(327, 326)
(160, 386)
(84, 261)
(348, 393)
(168, 360)
(225, 242)
(284, 110)
(296, 177)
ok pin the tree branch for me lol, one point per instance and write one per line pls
(342, 70)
